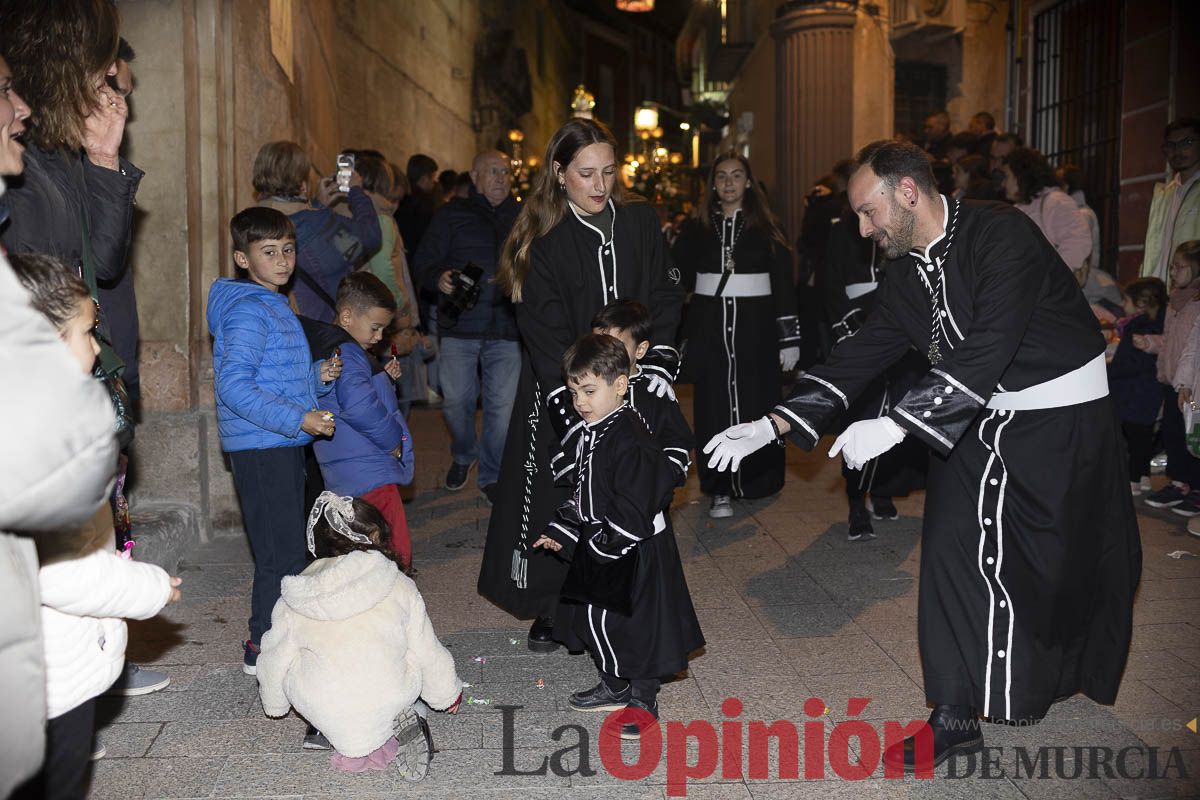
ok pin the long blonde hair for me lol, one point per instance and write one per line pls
(546, 204)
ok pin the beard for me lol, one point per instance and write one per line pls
(897, 239)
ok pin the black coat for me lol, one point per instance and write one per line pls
(1133, 373)
(470, 230)
(48, 204)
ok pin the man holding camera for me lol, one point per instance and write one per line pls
(458, 256)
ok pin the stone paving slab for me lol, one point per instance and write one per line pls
(789, 608)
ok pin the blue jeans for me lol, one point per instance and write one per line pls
(463, 362)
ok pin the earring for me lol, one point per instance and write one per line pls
(912, 202)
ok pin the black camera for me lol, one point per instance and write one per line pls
(468, 286)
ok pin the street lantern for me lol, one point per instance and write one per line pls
(645, 120)
(635, 5)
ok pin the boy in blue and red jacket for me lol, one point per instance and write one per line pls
(371, 455)
(266, 388)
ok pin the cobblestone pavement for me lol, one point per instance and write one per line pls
(790, 609)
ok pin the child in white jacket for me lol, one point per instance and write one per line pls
(87, 590)
(351, 647)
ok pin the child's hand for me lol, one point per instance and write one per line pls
(1141, 342)
(546, 542)
(392, 368)
(318, 423)
(1185, 397)
(331, 368)
(176, 595)
(457, 705)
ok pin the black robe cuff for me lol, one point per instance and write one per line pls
(938, 410)
(789, 331)
(812, 409)
(663, 361)
(847, 326)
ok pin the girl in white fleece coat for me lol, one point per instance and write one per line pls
(87, 590)
(351, 647)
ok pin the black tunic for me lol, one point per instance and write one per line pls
(575, 270)
(1030, 551)
(855, 269)
(620, 504)
(733, 343)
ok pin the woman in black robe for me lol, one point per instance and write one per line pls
(577, 245)
(742, 327)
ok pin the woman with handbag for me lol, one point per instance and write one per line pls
(329, 245)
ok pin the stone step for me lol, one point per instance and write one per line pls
(164, 532)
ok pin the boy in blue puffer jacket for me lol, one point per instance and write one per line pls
(371, 455)
(266, 390)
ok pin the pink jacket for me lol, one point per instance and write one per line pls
(1060, 221)
(1177, 326)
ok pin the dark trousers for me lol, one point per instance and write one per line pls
(644, 689)
(1140, 441)
(68, 752)
(270, 487)
(1182, 466)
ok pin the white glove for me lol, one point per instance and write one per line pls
(729, 447)
(788, 358)
(866, 440)
(661, 386)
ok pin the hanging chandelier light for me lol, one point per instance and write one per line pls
(635, 5)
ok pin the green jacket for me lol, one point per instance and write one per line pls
(1187, 226)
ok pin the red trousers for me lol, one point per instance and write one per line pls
(387, 499)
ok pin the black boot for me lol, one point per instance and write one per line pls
(540, 635)
(955, 730)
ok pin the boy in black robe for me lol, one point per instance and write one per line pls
(625, 598)
(631, 323)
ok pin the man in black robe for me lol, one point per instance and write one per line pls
(1030, 554)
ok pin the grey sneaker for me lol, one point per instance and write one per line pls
(416, 745)
(135, 680)
(721, 507)
(315, 740)
(99, 751)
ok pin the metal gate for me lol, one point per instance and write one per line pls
(1077, 49)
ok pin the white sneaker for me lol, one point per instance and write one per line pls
(1145, 484)
(99, 751)
(1135, 488)
(721, 508)
(1193, 526)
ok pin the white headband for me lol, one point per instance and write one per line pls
(339, 513)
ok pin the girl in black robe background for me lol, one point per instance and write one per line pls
(742, 327)
(577, 245)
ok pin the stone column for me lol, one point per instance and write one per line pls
(814, 70)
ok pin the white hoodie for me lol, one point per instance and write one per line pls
(350, 647)
(86, 597)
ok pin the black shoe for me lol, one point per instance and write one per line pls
(601, 698)
(955, 731)
(633, 729)
(540, 635)
(315, 740)
(456, 478)
(1169, 496)
(860, 522)
(883, 508)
